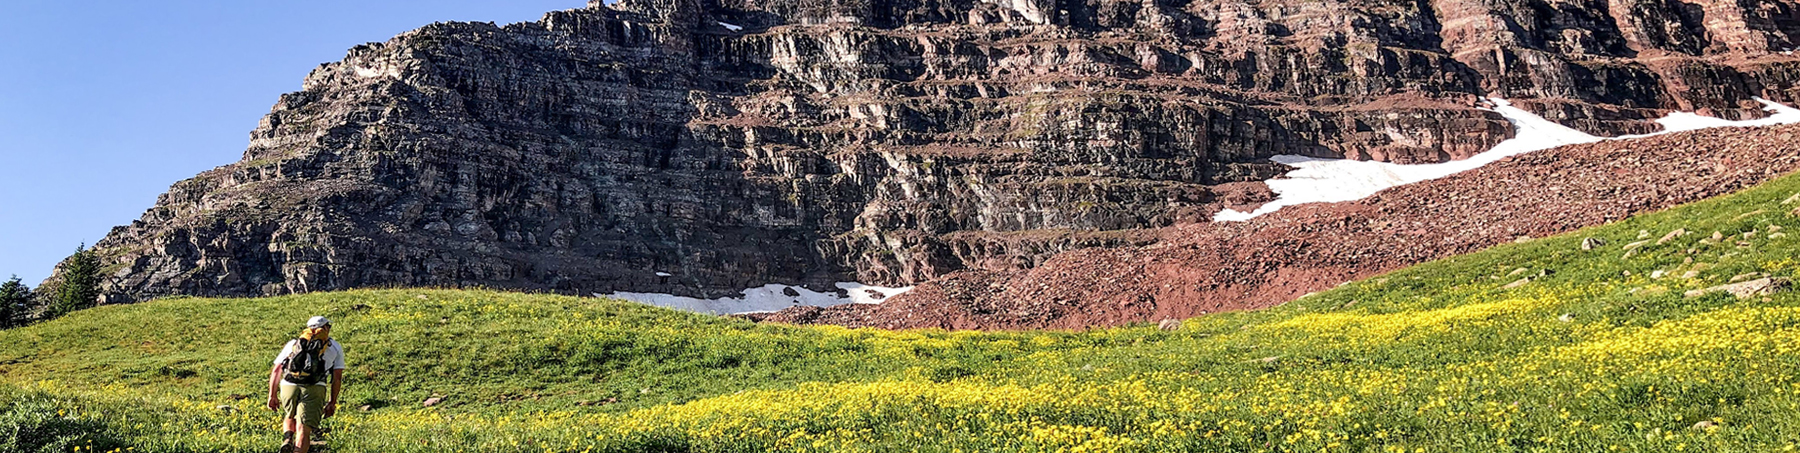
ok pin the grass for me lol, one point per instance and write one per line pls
(1591, 354)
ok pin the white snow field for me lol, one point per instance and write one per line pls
(1332, 180)
(767, 298)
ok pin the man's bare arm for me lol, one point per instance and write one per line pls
(274, 385)
(337, 385)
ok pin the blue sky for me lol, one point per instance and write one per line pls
(104, 104)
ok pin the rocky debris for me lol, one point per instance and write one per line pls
(884, 142)
(1169, 325)
(1516, 283)
(432, 401)
(1273, 259)
(586, 403)
(1752, 288)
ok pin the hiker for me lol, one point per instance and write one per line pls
(299, 377)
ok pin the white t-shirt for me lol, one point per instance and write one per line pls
(334, 358)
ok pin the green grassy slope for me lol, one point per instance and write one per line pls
(1598, 351)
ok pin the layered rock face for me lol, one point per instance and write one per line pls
(1230, 266)
(701, 147)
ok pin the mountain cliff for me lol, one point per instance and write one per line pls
(701, 147)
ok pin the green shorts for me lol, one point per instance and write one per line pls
(305, 403)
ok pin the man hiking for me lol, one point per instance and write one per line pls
(297, 383)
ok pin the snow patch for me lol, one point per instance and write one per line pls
(367, 72)
(1318, 180)
(767, 298)
(866, 294)
(1685, 121)
(731, 27)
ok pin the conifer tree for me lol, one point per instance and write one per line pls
(80, 285)
(15, 299)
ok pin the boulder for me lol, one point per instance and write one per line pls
(1752, 288)
(1679, 232)
(1592, 243)
(1746, 276)
(1169, 325)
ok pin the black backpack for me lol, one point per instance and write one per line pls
(307, 365)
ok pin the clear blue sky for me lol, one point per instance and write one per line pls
(104, 104)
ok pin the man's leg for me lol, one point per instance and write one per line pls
(287, 427)
(306, 421)
(303, 439)
(287, 441)
(290, 411)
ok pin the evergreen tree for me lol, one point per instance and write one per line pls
(15, 299)
(80, 285)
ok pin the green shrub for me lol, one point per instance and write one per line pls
(37, 422)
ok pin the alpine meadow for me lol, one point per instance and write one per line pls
(900, 226)
(1601, 348)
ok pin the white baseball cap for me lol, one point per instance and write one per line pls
(317, 322)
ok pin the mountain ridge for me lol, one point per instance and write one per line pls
(886, 142)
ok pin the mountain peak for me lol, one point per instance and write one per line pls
(732, 145)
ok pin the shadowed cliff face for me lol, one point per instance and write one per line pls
(732, 144)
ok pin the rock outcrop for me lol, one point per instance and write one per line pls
(701, 147)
